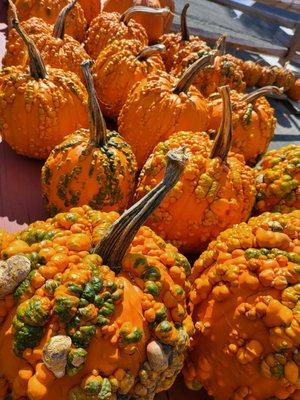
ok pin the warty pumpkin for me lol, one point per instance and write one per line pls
(91, 8)
(161, 105)
(215, 191)
(57, 49)
(91, 166)
(244, 299)
(278, 180)
(48, 10)
(253, 121)
(119, 67)
(294, 91)
(39, 107)
(95, 306)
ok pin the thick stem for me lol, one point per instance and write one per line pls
(128, 14)
(120, 235)
(60, 24)
(185, 36)
(251, 97)
(190, 74)
(223, 139)
(220, 45)
(97, 123)
(150, 51)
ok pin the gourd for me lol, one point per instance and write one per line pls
(294, 91)
(91, 166)
(216, 190)
(102, 312)
(91, 8)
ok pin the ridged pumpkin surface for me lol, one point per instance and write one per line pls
(245, 300)
(91, 9)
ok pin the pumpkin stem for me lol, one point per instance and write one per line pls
(114, 245)
(150, 51)
(220, 45)
(128, 14)
(36, 64)
(223, 139)
(185, 36)
(190, 74)
(97, 123)
(251, 97)
(60, 24)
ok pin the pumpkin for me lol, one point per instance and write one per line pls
(48, 10)
(119, 66)
(278, 180)
(161, 105)
(5, 239)
(215, 191)
(57, 49)
(180, 42)
(252, 72)
(294, 91)
(91, 9)
(94, 306)
(253, 121)
(244, 301)
(94, 167)
(39, 107)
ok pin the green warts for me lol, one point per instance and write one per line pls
(83, 336)
(182, 261)
(50, 286)
(164, 327)
(65, 307)
(252, 253)
(24, 289)
(35, 312)
(129, 334)
(152, 288)
(25, 336)
(277, 371)
(76, 361)
(151, 274)
(105, 392)
(46, 175)
(247, 117)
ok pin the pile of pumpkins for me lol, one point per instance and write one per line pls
(93, 303)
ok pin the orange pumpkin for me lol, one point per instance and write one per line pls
(161, 105)
(119, 66)
(91, 8)
(253, 121)
(98, 306)
(245, 307)
(216, 190)
(40, 107)
(94, 167)
(294, 91)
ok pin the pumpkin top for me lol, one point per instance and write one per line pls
(59, 26)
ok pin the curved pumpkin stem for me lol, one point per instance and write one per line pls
(150, 51)
(251, 97)
(190, 74)
(223, 139)
(97, 123)
(59, 27)
(114, 245)
(128, 14)
(220, 45)
(185, 36)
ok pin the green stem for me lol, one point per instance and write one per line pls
(128, 14)
(60, 24)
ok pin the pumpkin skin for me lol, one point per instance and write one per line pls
(294, 91)
(244, 297)
(91, 9)
(117, 69)
(107, 27)
(48, 10)
(278, 180)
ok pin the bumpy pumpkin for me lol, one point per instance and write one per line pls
(253, 121)
(161, 105)
(244, 299)
(94, 167)
(5, 238)
(107, 325)
(278, 180)
(119, 67)
(48, 10)
(57, 49)
(294, 91)
(91, 9)
(40, 107)
(216, 190)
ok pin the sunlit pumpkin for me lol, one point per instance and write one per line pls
(294, 91)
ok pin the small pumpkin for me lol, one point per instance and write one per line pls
(161, 105)
(216, 190)
(119, 67)
(48, 10)
(95, 167)
(278, 180)
(253, 121)
(294, 91)
(98, 306)
(39, 107)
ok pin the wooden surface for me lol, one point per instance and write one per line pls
(291, 5)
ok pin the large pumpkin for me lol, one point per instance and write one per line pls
(94, 307)
(91, 8)
(245, 299)
(215, 191)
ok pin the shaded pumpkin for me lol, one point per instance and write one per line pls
(216, 190)
(161, 105)
(98, 308)
(294, 91)
(39, 107)
(119, 67)
(91, 9)
(278, 180)
(244, 299)
(91, 166)
(253, 121)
